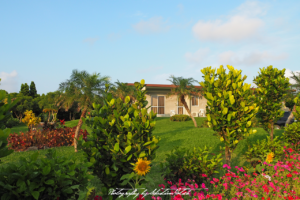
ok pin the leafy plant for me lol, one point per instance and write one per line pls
(256, 153)
(231, 106)
(30, 119)
(47, 178)
(11, 122)
(272, 88)
(180, 118)
(204, 124)
(50, 138)
(5, 114)
(121, 133)
(182, 164)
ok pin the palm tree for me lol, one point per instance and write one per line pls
(85, 88)
(297, 85)
(184, 87)
(122, 90)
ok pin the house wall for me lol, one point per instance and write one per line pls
(171, 103)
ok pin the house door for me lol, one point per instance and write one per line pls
(158, 104)
(180, 107)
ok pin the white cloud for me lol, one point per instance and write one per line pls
(153, 25)
(243, 24)
(91, 41)
(149, 69)
(250, 59)
(198, 56)
(9, 81)
(236, 29)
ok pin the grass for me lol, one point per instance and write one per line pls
(172, 134)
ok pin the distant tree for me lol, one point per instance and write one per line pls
(25, 89)
(24, 103)
(32, 90)
(121, 90)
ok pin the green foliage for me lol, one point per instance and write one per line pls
(180, 118)
(272, 88)
(5, 109)
(121, 133)
(25, 89)
(182, 164)
(11, 122)
(32, 90)
(257, 152)
(231, 106)
(297, 113)
(24, 103)
(292, 134)
(49, 178)
(4, 116)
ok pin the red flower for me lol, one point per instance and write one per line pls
(97, 198)
(62, 122)
(289, 175)
(140, 197)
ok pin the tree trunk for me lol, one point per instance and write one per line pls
(70, 116)
(227, 155)
(289, 119)
(188, 110)
(78, 128)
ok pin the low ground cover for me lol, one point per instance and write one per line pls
(182, 134)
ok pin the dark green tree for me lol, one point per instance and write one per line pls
(25, 89)
(32, 91)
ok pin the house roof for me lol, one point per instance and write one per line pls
(165, 86)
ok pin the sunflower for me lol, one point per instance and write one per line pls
(142, 166)
(270, 157)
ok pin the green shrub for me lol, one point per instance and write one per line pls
(121, 133)
(257, 153)
(182, 164)
(180, 118)
(11, 122)
(292, 135)
(51, 178)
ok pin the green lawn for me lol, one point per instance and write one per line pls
(172, 134)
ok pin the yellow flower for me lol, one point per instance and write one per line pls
(142, 166)
(235, 142)
(221, 139)
(270, 157)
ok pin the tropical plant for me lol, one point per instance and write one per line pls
(183, 88)
(51, 112)
(122, 90)
(84, 88)
(231, 106)
(297, 85)
(121, 133)
(272, 88)
(32, 90)
(4, 114)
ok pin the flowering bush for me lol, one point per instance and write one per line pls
(281, 182)
(30, 119)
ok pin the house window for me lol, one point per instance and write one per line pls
(195, 101)
(180, 107)
(158, 104)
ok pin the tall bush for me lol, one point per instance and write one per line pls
(231, 106)
(4, 113)
(121, 133)
(272, 88)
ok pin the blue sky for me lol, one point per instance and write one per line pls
(43, 41)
